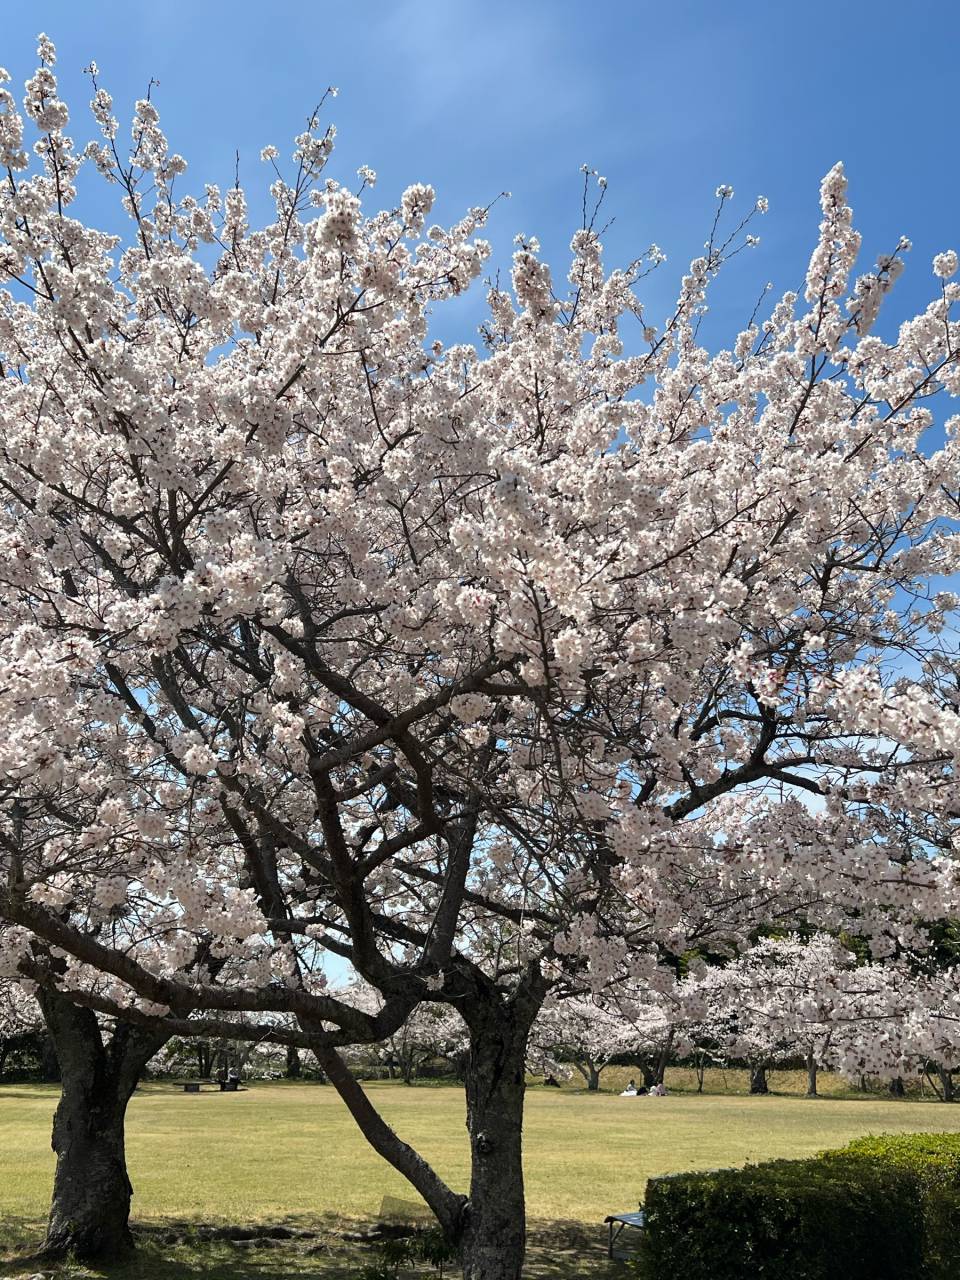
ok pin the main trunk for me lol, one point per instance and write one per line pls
(811, 1076)
(294, 1069)
(663, 1057)
(946, 1084)
(494, 1236)
(590, 1073)
(91, 1190)
(758, 1080)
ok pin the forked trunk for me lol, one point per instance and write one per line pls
(494, 1235)
(489, 1226)
(90, 1208)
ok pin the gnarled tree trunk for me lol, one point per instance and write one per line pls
(494, 1234)
(90, 1208)
(489, 1226)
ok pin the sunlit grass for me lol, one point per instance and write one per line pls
(291, 1151)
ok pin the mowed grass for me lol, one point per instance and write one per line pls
(284, 1151)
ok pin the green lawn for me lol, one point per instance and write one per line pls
(290, 1152)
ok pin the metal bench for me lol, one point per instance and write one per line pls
(618, 1222)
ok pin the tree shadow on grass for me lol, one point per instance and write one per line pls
(562, 1250)
(187, 1251)
(190, 1251)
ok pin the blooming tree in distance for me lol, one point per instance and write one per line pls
(786, 998)
(490, 668)
(591, 1031)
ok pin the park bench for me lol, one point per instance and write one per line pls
(618, 1222)
(197, 1086)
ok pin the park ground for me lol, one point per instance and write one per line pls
(287, 1156)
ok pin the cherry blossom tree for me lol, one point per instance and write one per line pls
(591, 1031)
(20, 1019)
(430, 1032)
(909, 1024)
(488, 668)
(789, 998)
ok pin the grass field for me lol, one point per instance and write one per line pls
(289, 1153)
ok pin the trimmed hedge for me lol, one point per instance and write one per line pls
(934, 1159)
(853, 1219)
(881, 1208)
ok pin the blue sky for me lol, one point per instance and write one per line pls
(666, 100)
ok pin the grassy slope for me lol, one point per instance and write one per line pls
(281, 1151)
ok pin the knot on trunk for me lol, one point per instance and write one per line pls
(484, 1143)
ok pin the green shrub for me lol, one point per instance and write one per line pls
(934, 1159)
(393, 1257)
(786, 1220)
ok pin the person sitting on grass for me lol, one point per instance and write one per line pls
(630, 1091)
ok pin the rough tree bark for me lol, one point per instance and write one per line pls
(494, 1235)
(946, 1084)
(49, 1066)
(488, 1226)
(294, 1068)
(90, 1208)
